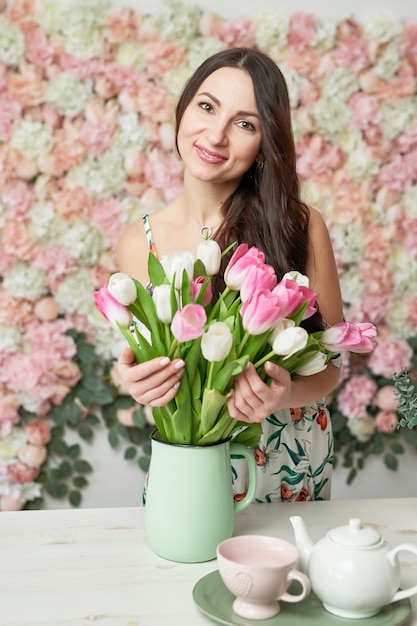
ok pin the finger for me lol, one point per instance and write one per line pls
(127, 357)
(246, 411)
(277, 373)
(250, 386)
(164, 399)
(158, 388)
(153, 372)
(155, 390)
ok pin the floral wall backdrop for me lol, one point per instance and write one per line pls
(87, 93)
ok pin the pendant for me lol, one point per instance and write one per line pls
(205, 232)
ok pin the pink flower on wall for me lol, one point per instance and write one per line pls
(390, 356)
(357, 394)
(237, 32)
(302, 30)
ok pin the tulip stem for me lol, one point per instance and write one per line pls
(243, 343)
(167, 336)
(264, 359)
(210, 375)
(216, 307)
(173, 348)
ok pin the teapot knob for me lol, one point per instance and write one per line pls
(355, 525)
(355, 534)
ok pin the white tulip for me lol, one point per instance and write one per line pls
(290, 340)
(299, 278)
(122, 287)
(175, 264)
(316, 364)
(281, 325)
(217, 342)
(161, 295)
(209, 252)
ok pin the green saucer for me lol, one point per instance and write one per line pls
(215, 601)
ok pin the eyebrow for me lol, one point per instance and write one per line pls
(245, 113)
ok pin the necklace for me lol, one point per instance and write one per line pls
(205, 232)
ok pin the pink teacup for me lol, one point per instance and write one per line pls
(258, 570)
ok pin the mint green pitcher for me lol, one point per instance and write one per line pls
(189, 506)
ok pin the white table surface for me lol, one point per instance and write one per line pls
(93, 566)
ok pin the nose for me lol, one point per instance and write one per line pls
(217, 133)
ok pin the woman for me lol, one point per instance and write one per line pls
(235, 140)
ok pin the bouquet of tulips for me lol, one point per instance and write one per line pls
(256, 318)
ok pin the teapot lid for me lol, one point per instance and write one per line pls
(355, 534)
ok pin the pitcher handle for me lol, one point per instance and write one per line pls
(392, 556)
(239, 449)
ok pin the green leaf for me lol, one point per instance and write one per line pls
(397, 448)
(230, 369)
(74, 451)
(56, 489)
(65, 469)
(391, 461)
(139, 437)
(82, 467)
(95, 390)
(185, 289)
(181, 424)
(250, 436)
(156, 271)
(139, 417)
(130, 453)
(86, 433)
(91, 420)
(351, 476)
(86, 354)
(69, 411)
(80, 482)
(113, 438)
(212, 404)
(75, 498)
(143, 463)
(146, 312)
(199, 269)
(58, 447)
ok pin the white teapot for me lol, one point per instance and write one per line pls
(352, 570)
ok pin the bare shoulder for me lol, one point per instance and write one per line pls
(133, 250)
(322, 269)
(317, 227)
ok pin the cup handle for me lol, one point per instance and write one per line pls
(392, 557)
(239, 449)
(304, 582)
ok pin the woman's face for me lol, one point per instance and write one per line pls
(219, 136)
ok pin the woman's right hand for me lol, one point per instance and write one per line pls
(153, 383)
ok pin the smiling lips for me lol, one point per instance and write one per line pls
(209, 157)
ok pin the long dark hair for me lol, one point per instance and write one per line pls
(265, 210)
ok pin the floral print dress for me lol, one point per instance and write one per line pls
(295, 455)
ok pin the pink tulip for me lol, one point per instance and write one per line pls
(114, 312)
(196, 286)
(349, 336)
(260, 312)
(257, 277)
(188, 323)
(292, 295)
(242, 259)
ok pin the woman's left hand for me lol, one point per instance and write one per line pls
(252, 400)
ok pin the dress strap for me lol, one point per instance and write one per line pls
(148, 233)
